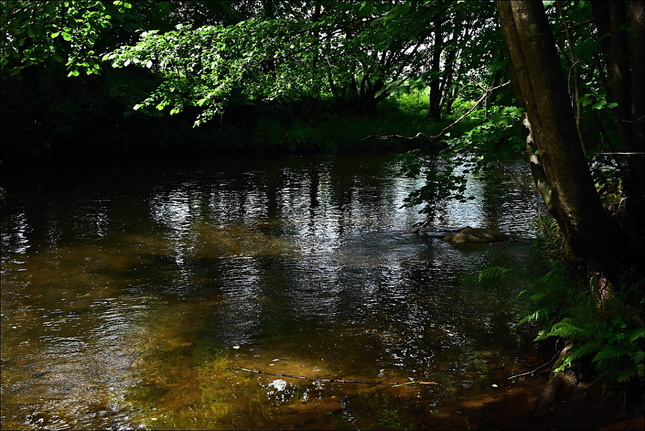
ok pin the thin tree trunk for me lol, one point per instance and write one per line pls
(574, 72)
(434, 110)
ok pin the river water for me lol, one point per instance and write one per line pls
(182, 294)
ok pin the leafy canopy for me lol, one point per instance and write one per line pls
(65, 32)
(355, 52)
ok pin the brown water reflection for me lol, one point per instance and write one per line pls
(131, 295)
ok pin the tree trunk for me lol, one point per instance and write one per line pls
(590, 234)
(434, 110)
(621, 26)
(636, 203)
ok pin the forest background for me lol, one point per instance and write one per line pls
(471, 82)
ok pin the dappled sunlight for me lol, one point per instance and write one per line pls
(243, 299)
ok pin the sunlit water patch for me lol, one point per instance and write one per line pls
(237, 294)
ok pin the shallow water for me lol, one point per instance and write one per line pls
(178, 295)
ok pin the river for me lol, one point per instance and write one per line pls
(191, 294)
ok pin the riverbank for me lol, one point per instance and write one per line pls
(245, 130)
(588, 409)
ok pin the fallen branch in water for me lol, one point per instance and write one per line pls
(329, 380)
(535, 370)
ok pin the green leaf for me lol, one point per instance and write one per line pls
(636, 334)
(599, 104)
(585, 100)
(564, 329)
(608, 354)
(500, 118)
(493, 273)
(365, 9)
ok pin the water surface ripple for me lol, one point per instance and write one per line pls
(133, 297)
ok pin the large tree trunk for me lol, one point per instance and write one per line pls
(590, 234)
(621, 26)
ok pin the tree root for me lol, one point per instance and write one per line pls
(560, 386)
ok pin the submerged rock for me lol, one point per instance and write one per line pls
(473, 235)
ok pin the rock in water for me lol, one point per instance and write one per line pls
(473, 235)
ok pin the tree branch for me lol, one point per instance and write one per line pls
(445, 129)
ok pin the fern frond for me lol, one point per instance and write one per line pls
(583, 350)
(533, 317)
(493, 273)
(609, 354)
(564, 329)
(636, 334)
(624, 375)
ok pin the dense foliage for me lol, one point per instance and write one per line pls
(606, 342)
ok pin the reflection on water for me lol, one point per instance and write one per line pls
(134, 297)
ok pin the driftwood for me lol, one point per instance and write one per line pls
(331, 380)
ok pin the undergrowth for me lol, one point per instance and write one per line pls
(605, 336)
